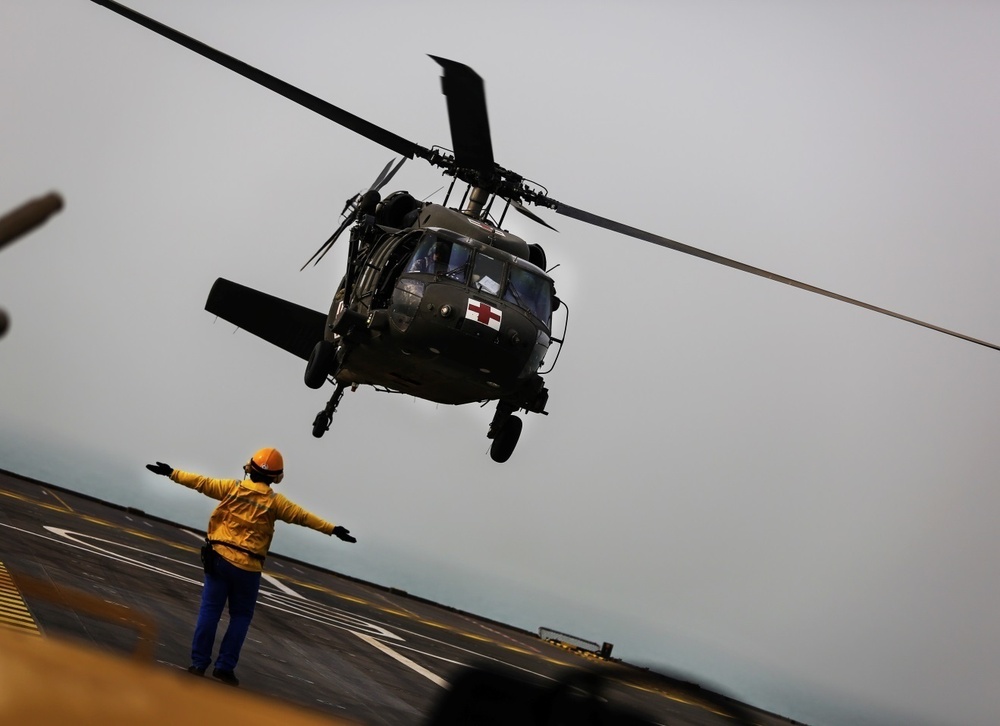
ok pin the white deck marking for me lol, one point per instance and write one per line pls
(404, 660)
(282, 586)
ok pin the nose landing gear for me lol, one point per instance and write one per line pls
(321, 424)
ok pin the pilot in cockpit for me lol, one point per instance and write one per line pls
(434, 262)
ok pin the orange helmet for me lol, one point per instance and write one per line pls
(267, 462)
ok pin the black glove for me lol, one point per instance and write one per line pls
(160, 468)
(343, 533)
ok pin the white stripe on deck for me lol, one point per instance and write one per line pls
(281, 586)
(403, 659)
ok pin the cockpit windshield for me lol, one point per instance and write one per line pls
(437, 256)
(531, 292)
(488, 273)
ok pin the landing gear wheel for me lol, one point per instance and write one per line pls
(505, 439)
(321, 424)
(321, 360)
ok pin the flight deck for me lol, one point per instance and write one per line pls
(102, 579)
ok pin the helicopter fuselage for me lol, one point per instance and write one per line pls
(443, 315)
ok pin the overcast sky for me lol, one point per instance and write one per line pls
(783, 495)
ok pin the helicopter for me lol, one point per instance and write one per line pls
(437, 302)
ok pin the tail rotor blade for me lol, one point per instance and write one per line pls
(325, 247)
(333, 238)
(384, 177)
(355, 205)
(377, 184)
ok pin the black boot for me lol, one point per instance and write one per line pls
(227, 677)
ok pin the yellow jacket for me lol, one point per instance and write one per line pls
(246, 515)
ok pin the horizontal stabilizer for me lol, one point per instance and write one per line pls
(289, 326)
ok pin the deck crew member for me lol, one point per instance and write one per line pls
(239, 535)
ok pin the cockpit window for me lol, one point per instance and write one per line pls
(437, 256)
(487, 274)
(530, 292)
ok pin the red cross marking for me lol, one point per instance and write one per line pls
(484, 313)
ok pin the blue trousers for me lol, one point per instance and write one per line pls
(227, 583)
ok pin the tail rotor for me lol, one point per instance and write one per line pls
(356, 208)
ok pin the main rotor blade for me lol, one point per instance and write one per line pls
(470, 124)
(529, 214)
(18, 222)
(318, 105)
(656, 239)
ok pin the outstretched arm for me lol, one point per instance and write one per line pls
(215, 488)
(289, 511)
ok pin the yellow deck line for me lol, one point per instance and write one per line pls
(14, 612)
(58, 498)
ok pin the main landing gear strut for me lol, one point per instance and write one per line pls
(505, 430)
(321, 424)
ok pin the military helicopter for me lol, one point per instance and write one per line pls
(437, 302)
